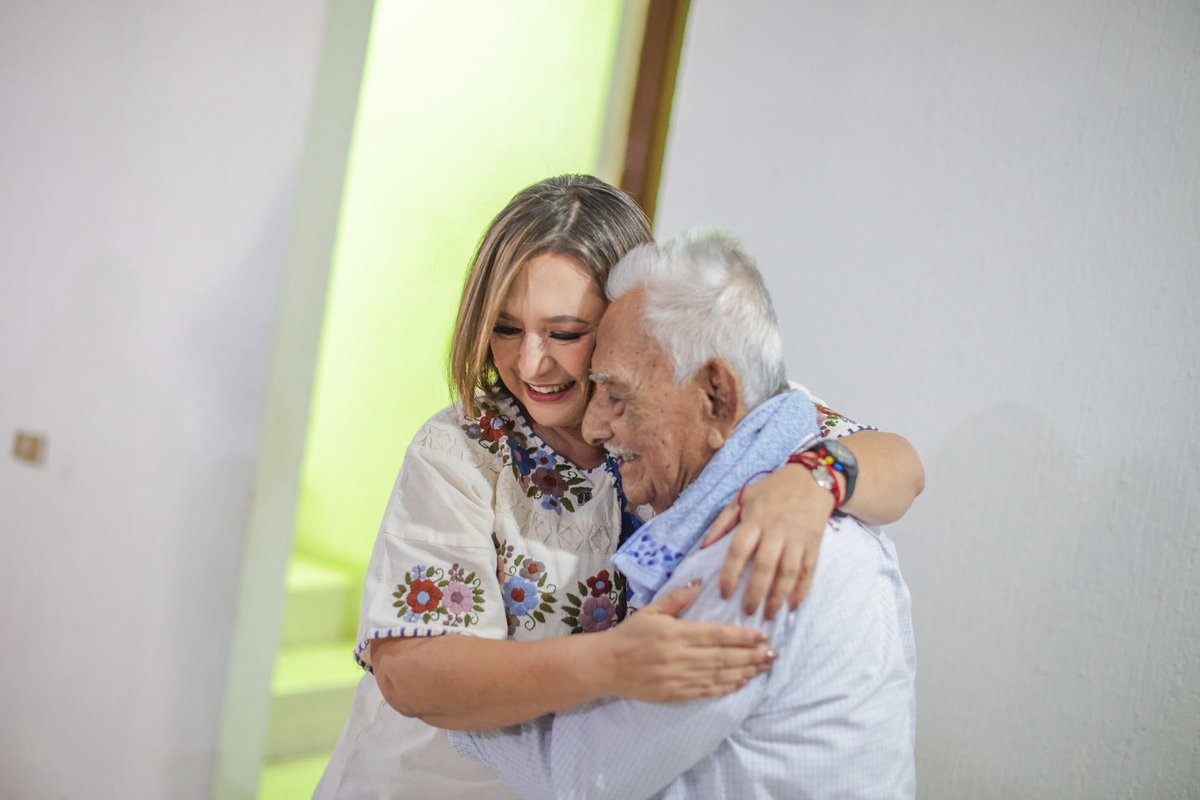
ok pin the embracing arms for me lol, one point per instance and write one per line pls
(466, 682)
(434, 571)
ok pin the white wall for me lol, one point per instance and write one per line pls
(981, 223)
(149, 154)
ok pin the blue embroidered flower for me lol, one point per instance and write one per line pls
(524, 462)
(419, 571)
(544, 458)
(552, 503)
(520, 596)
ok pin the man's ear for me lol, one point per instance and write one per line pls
(723, 400)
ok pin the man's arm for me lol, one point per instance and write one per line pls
(623, 748)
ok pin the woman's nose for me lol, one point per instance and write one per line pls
(533, 352)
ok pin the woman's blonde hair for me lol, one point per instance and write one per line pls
(571, 215)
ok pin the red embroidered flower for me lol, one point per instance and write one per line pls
(600, 584)
(491, 427)
(424, 596)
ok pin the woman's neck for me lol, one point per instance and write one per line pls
(570, 444)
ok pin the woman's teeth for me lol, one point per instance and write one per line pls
(559, 387)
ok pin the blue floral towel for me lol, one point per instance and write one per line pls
(761, 441)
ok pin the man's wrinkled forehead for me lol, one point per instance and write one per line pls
(617, 339)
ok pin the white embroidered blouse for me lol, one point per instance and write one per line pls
(488, 532)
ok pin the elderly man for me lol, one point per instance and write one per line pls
(691, 397)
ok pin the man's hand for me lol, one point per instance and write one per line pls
(779, 523)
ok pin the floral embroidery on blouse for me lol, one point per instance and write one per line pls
(831, 422)
(541, 472)
(528, 595)
(599, 605)
(432, 593)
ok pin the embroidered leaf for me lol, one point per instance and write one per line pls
(572, 621)
(574, 599)
(572, 610)
(479, 609)
(470, 578)
(583, 589)
(517, 561)
(532, 492)
(539, 616)
(575, 481)
(549, 609)
(566, 504)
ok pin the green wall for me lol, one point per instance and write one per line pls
(462, 105)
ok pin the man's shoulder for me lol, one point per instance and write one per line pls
(853, 557)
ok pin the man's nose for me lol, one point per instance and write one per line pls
(533, 352)
(595, 428)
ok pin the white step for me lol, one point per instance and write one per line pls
(322, 603)
(311, 693)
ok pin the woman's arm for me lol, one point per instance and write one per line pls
(890, 476)
(470, 683)
(781, 519)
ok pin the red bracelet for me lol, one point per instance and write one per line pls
(746, 485)
(812, 463)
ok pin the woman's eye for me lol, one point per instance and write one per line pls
(505, 330)
(559, 336)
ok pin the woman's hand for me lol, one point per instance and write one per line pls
(783, 518)
(779, 522)
(660, 659)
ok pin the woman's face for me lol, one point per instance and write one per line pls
(543, 339)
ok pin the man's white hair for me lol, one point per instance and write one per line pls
(705, 299)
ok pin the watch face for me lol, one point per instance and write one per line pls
(839, 451)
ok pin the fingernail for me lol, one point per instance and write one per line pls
(771, 654)
(693, 582)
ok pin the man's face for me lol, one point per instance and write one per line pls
(657, 430)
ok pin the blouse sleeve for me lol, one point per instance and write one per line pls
(433, 569)
(832, 425)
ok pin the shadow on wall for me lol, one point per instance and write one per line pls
(1062, 568)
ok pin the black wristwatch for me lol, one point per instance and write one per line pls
(839, 458)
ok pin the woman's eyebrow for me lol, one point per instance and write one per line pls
(504, 315)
